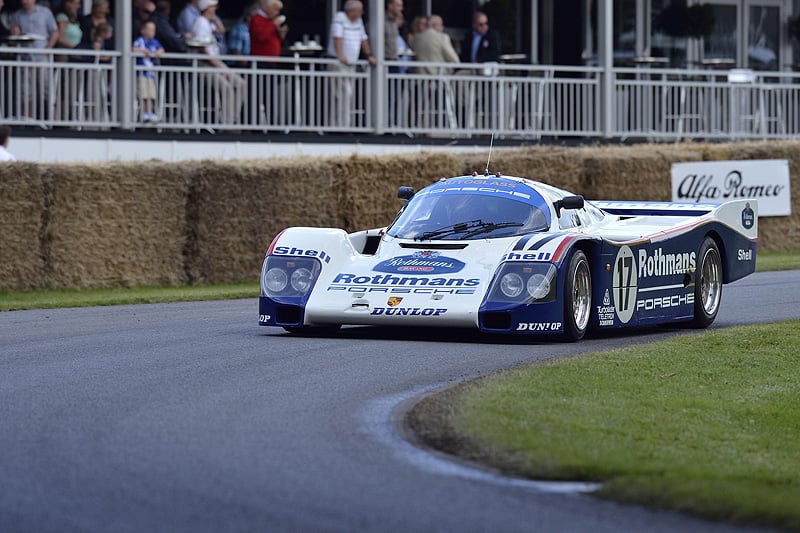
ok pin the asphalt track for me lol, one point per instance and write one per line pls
(190, 417)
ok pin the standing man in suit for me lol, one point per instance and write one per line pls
(481, 44)
(434, 45)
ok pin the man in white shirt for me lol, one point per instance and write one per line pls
(227, 86)
(347, 39)
(5, 134)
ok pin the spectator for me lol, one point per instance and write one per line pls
(418, 25)
(347, 38)
(33, 19)
(148, 45)
(142, 11)
(5, 135)
(99, 13)
(172, 41)
(102, 34)
(404, 51)
(186, 18)
(70, 34)
(3, 28)
(433, 45)
(391, 30)
(481, 44)
(189, 15)
(239, 36)
(227, 86)
(267, 29)
(70, 37)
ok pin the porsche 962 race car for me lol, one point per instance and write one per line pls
(510, 255)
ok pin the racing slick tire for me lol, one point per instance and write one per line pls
(577, 297)
(707, 284)
(313, 331)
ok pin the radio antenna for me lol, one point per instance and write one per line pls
(491, 143)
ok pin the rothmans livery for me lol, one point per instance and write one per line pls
(511, 255)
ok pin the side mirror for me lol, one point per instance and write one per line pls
(568, 202)
(405, 193)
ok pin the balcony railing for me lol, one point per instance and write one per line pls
(84, 89)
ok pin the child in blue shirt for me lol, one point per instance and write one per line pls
(148, 45)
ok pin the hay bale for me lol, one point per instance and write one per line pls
(367, 186)
(557, 166)
(633, 172)
(21, 218)
(235, 209)
(114, 225)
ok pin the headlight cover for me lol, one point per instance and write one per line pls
(523, 282)
(288, 277)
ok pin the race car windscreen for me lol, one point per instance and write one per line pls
(449, 212)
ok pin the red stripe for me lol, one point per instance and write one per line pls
(274, 242)
(561, 247)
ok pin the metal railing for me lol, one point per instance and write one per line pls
(82, 89)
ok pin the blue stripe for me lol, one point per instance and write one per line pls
(523, 241)
(539, 244)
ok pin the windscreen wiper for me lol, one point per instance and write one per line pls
(458, 227)
(486, 227)
(469, 228)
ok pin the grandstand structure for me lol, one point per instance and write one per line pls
(621, 92)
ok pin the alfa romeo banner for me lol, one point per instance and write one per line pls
(764, 180)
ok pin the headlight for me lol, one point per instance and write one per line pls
(538, 286)
(511, 285)
(301, 280)
(276, 280)
(289, 277)
(524, 283)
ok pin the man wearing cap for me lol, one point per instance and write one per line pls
(227, 86)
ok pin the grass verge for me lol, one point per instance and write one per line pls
(703, 423)
(53, 298)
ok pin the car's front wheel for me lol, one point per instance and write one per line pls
(707, 284)
(577, 297)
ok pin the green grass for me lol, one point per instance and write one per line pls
(767, 261)
(704, 423)
(48, 299)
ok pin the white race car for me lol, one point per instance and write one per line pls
(511, 255)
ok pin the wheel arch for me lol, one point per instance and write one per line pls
(724, 256)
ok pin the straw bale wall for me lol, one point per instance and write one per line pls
(117, 225)
(22, 206)
(155, 223)
(235, 209)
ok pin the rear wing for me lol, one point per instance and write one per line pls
(739, 215)
(638, 209)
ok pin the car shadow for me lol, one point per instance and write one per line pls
(473, 336)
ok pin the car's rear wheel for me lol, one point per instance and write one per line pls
(313, 331)
(707, 284)
(577, 297)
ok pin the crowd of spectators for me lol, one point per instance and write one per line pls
(260, 31)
